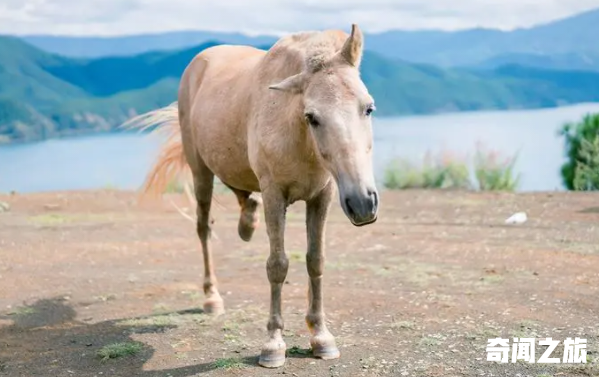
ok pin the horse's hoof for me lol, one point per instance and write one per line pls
(272, 359)
(214, 306)
(326, 353)
(273, 354)
(246, 231)
(248, 219)
(324, 347)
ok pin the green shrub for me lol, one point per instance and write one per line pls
(586, 176)
(494, 173)
(579, 140)
(442, 172)
(447, 172)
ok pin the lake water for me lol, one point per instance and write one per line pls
(122, 160)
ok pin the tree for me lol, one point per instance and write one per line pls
(582, 149)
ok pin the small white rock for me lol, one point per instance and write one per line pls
(517, 218)
(4, 207)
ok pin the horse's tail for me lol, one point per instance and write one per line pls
(171, 165)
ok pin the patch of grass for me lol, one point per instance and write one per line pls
(230, 326)
(489, 332)
(229, 363)
(22, 310)
(231, 338)
(297, 256)
(104, 298)
(295, 350)
(492, 279)
(525, 329)
(160, 308)
(50, 219)
(193, 295)
(158, 321)
(116, 350)
(403, 325)
(232, 331)
(54, 219)
(428, 341)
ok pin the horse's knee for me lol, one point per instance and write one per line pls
(203, 224)
(276, 268)
(315, 264)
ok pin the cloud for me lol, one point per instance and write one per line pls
(107, 17)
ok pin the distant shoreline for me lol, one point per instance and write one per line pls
(75, 135)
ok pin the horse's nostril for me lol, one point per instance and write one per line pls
(375, 198)
(350, 210)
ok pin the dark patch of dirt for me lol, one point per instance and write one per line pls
(416, 294)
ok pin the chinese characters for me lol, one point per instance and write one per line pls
(499, 350)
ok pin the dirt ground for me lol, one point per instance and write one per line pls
(416, 294)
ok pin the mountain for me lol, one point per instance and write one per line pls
(43, 95)
(567, 61)
(572, 35)
(95, 47)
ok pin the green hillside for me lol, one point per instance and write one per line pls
(43, 95)
(567, 43)
(567, 61)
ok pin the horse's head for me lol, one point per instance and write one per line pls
(337, 109)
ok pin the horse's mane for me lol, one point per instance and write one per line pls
(308, 50)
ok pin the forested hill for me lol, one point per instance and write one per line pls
(43, 95)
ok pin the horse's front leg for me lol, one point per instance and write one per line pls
(322, 341)
(275, 206)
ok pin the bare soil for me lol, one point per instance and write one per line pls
(416, 294)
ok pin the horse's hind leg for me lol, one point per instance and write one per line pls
(203, 180)
(248, 218)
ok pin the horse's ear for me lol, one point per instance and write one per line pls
(351, 51)
(292, 84)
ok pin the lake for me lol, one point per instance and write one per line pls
(122, 160)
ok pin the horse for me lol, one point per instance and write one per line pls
(276, 126)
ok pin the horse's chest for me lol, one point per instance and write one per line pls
(305, 186)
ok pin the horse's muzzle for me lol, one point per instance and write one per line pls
(361, 209)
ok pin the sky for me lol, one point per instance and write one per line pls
(125, 17)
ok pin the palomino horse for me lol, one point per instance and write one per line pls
(291, 123)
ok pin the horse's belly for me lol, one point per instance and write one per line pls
(224, 151)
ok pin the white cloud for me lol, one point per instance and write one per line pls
(109, 17)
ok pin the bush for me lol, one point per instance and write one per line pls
(443, 172)
(494, 173)
(447, 172)
(586, 176)
(580, 144)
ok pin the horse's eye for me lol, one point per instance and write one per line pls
(311, 119)
(369, 110)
